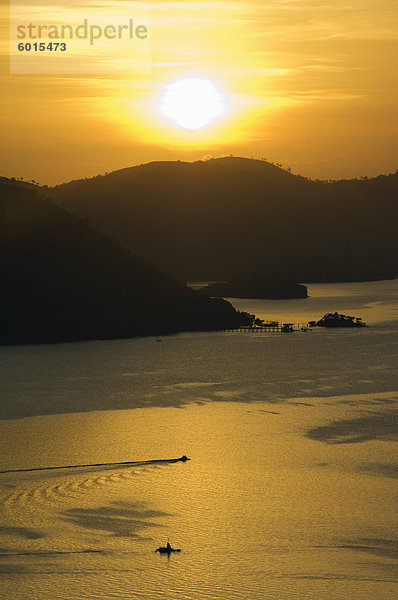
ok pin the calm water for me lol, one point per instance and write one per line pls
(291, 492)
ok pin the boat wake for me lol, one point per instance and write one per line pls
(108, 464)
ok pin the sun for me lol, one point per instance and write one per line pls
(192, 103)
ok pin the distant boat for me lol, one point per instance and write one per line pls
(167, 549)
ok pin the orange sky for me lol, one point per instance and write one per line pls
(312, 84)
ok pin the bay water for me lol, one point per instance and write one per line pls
(291, 490)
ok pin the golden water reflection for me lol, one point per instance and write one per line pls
(291, 489)
(263, 510)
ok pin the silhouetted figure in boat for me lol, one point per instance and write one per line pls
(167, 549)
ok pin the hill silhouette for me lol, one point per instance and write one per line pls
(63, 281)
(255, 285)
(209, 220)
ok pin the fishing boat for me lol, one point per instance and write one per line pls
(167, 549)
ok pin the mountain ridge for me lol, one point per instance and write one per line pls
(209, 220)
(63, 281)
(213, 219)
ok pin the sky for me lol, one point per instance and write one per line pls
(310, 84)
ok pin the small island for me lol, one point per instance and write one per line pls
(337, 320)
(258, 286)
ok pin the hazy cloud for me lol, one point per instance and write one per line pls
(121, 519)
(380, 469)
(24, 532)
(380, 547)
(378, 426)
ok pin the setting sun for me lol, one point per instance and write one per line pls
(192, 103)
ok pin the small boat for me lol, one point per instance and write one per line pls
(167, 549)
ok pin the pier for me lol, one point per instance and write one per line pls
(273, 327)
